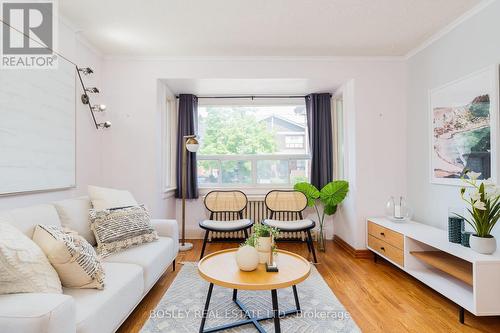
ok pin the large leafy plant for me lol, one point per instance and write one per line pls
(330, 196)
(483, 201)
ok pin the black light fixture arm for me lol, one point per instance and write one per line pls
(86, 97)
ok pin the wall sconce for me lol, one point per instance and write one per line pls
(86, 99)
(106, 124)
(98, 108)
(92, 90)
(86, 70)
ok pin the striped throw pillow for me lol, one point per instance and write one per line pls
(116, 229)
(73, 258)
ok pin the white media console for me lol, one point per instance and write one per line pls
(470, 279)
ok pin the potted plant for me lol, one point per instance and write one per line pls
(264, 234)
(330, 196)
(484, 209)
(247, 256)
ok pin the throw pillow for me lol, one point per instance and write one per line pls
(105, 198)
(23, 266)
(121, 228)
(74, 259)
(74, 215)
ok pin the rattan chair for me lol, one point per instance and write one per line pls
(226, 203)
(294, 202)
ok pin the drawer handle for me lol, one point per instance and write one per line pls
(382, 234)
(382, 248)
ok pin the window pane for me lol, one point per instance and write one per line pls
(236, 172)
(208, 172)
(272, 172)
(299, 171)
(255, 129)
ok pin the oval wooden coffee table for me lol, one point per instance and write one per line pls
(220, 268)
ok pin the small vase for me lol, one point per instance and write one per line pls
(247, 258)
(484, 245)
(264, 248)
(321, 240)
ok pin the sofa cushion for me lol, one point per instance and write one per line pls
(74, 259)
(104, 310)
(104, 198)
(74, 215)
(26, 219)
(24, 268)
(35, 313)
(154, 258)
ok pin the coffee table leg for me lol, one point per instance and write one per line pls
(276, 314)
(296, 296)
(235, 294)
(205, 311)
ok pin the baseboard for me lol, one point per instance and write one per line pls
(359, 254)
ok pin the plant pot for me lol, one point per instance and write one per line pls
(264, 248)
(484, 245)
(247, 258)
(321, 240)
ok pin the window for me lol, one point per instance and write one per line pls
(338, 126)
(252, 145)
(294, 141)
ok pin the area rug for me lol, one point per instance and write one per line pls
(181, 307)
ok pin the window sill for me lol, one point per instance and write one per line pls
(253, 192)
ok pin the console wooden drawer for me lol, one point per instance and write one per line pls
(386, 250)
(387, 235)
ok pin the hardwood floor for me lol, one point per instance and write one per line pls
(379, 296)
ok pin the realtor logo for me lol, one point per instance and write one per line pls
(28, 34)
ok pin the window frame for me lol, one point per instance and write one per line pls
(253, 158)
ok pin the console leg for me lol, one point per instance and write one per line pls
(375, 257)
(461, 315)
(173, 266)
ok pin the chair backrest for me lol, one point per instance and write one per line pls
(285, 201)
(226, 202)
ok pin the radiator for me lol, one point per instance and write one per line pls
(256, 211)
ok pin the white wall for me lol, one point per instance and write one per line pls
(132, 152)
(471, 46)
(88, 140)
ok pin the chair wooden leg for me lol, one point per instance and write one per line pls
(246, 233)
(204, 244)
(312, 245)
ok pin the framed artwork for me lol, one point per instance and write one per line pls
(463, 120)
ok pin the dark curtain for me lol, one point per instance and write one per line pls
(187, 125)
(319, 124)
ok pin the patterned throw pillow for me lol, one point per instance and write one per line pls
(120, 228)
(74, 259)
(23, 266)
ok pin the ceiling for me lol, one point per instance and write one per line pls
(260, 27)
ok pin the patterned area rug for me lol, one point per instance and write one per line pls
(181, 307)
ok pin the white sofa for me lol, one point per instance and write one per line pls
(130, 274)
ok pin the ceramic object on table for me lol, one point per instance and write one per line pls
(247, 258)
(264, 248)
(484, 245)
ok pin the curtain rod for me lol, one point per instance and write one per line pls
(253, 96)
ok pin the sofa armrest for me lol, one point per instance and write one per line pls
(50, 313)
(166, 228)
